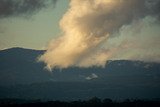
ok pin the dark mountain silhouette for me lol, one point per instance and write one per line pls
(19, 66)
(21, 76)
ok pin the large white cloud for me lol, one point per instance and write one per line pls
(86, 27)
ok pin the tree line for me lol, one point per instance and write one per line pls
(93, 102)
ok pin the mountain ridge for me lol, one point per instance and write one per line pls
(22, 77)
(20, 65)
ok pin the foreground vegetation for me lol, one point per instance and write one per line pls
(94, 102)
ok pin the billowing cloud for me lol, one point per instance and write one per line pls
(88, 25)
(10, 8)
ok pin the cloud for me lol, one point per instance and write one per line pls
(10, 8)
(137, 41)
(92, 76)
(88, 25)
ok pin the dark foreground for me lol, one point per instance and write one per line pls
(94, 102)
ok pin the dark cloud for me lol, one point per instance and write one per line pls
(138, 9)
(153, 7)
(10, 8)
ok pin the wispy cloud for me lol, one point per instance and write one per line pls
(92, 76)
(137, 41)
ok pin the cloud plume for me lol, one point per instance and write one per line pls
(88, 25)
(10, 8)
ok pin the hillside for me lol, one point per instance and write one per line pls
(21, 76)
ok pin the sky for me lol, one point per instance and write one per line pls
(83, 33)
(27, 29)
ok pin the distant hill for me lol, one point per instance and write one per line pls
(19, 66)
(21, 76)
